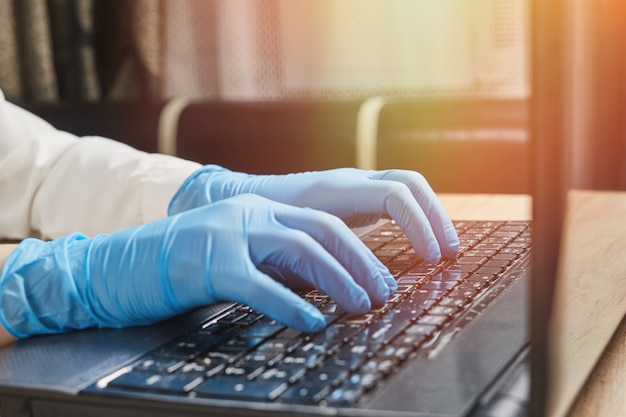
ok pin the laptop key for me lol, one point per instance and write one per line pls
(497, 263)
(283, 373)
(267, 357)
(159, 365)
(433, 320)
(395, 352)
(410, 341)
(384, 331)
(179, 349)
(400, 317)
(347, 394)
(380, 366)
(324, 376)
(233, 316)
(305, 394)
(206, 367)
(245, 371)
(341, 332)
(157, 382)
(261, 330)
(352, 390)
(302, 358)
(439, 285)
(230, 387)
(350, 358)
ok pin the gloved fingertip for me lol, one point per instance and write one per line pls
(433, 259)
(359, 303)
(388, 279)
(451, 251)
(381, 297)
(452, 244)
(317, 325)
(435, 252)
(362, 303)
(314, 320)
(392, 284)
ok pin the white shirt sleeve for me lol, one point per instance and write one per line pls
(53, 183)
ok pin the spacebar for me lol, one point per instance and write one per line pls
(229, 387)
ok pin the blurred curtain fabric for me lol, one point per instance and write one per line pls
(345, 49)
(80, 50)
(129, 47)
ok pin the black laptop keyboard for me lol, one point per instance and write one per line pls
(244, 355)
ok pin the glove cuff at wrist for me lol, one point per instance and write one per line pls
(188, 196)
(39, 292)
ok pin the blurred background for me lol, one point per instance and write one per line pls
(91, 50)
(273, 86)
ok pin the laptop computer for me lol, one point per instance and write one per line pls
(435, 347)
(425, 353)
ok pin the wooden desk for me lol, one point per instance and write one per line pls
(487, 206)
(604, 393)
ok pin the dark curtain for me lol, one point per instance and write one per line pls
(80, 50)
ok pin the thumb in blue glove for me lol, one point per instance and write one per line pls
(351, 194)
(144, 274)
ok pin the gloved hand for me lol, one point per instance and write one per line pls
(354, 195)
(147, 273)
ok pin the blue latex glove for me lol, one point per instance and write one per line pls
(147, 273)
(354, 195)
